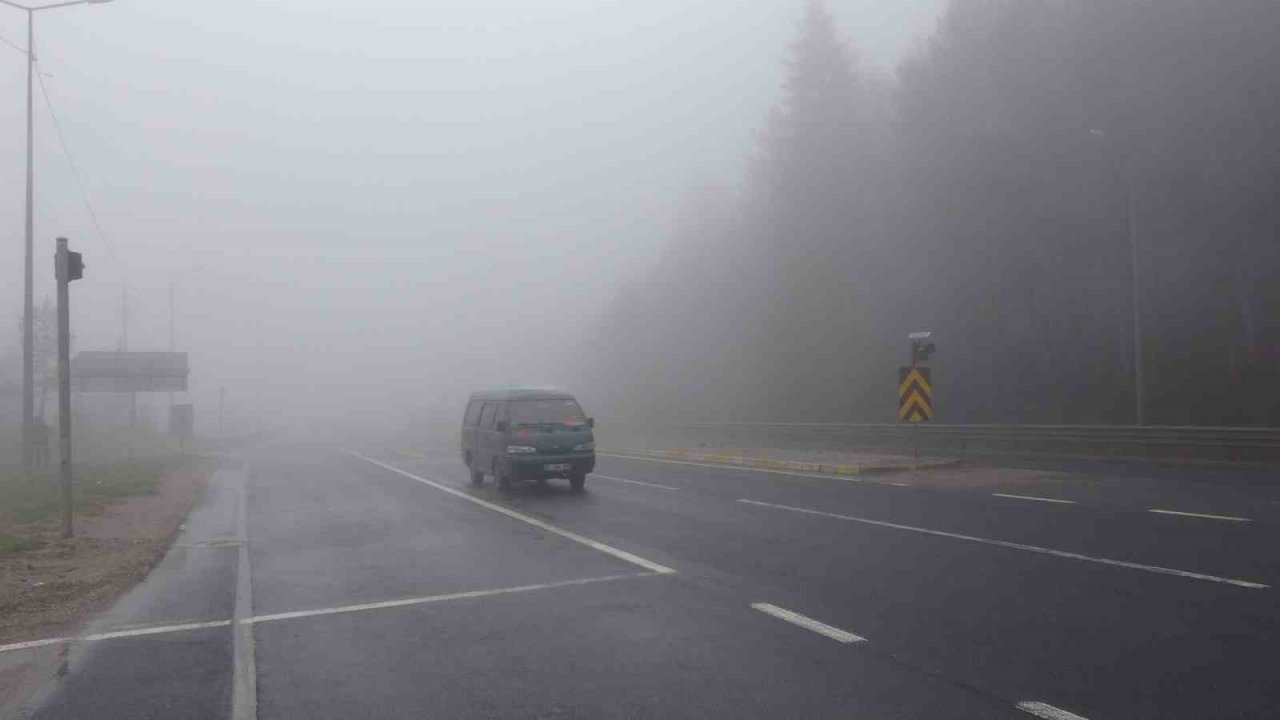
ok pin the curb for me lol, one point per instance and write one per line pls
(792, 465)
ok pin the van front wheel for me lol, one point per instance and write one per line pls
(577, 481)
(477, 475)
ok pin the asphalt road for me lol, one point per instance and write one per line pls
(314, 583)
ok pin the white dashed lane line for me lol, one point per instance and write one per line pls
(1033, 497)
(1047, 711)
(809, 623)
(1228, 518)
(1019, 546)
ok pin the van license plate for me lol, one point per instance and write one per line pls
(557, 467)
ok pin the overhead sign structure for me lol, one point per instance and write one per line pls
(915, 395)
(129, 372)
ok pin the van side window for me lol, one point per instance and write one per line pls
(473, 413)
(486, 415)
(502, 412)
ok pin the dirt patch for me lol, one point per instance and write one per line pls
(52, 590)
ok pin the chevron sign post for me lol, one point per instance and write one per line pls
(915, 395)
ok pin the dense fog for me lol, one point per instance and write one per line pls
(995, 192)
(711, 211)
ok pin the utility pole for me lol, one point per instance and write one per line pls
(170, 418)
(124, 347)
(28, 321)
(28, 302)
(1135, 276)
(1139, 376)
(68, 266)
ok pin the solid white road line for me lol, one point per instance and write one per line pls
(1033, 497)
(808, 623)
(634, 482)
(1228, 518)
(437, 598)
(1047, 711)
(1020, 546)
(607, 549)
(244, 688)
(247, 622)
(135, 632)
(721, 466)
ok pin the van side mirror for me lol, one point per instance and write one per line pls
(591, 422)
(503, 426)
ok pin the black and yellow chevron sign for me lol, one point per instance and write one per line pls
(915, 395)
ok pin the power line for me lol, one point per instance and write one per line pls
(13, 44)
(75, 172)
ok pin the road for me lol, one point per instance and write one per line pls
(313, 582)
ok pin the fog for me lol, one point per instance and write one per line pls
(367, 206)
(734, 210)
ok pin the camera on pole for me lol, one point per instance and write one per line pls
(921, 347)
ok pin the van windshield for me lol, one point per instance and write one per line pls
(543, 412)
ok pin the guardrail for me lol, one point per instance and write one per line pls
(1218, 444)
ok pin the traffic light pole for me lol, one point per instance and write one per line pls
(63, 270)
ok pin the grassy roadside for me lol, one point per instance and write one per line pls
(30, 513)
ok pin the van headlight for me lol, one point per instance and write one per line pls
(584, 447)
(520, 450)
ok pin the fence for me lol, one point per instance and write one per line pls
(1256, 445)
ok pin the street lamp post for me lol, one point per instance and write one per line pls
(28, 334)
(172, 277)
(1139, 378)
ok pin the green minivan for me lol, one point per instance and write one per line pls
(527, 434)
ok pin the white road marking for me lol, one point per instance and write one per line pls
(722, 466)
(607, 549)
(1033, 497)
(1020, 546)
(1047, 711)
(135, 632)
(244, 689)
(436, 598)
(1200, 515)
(247, 622)
(634, 482)
(808, 623)
(156, 630)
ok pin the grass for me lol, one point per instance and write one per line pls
(25, 506)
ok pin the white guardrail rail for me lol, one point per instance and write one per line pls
(1217, 444)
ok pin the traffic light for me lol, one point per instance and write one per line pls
(75, 266)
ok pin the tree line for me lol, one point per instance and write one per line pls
(996, 191)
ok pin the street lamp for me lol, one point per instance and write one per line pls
(1139, 383)
(28, 361)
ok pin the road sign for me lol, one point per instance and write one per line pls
(130, 372)
(915, 395)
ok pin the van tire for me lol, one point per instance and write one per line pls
(577, 482)
(502, 479)
(477, 475)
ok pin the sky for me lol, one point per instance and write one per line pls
(371, 204)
